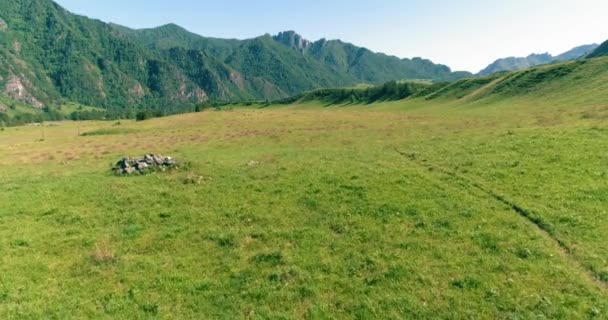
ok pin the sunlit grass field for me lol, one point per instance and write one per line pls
(411, 209)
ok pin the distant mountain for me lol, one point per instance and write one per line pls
(292, 40)
(515, 63)
(308, 64)
(520, 63)
(577, 52)
(367, 66)
(600, 51)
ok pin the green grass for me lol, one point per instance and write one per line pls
(16, 108)
(13, 108)
(566, 84)
(328, 221)
(491, 206)
(109, 131)
(68, 108)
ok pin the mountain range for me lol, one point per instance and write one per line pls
(49, 55)
(520, 63)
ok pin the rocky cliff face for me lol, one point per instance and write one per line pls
(292, 40)
(16, 89)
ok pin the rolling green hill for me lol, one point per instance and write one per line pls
(559, 83)
(601, 51)
(567, 81)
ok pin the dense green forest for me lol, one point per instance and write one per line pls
(49, 55)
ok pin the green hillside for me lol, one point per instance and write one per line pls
(173, 36)
(50, 55)
(333, 61)
(577, 81)
(563, 83)
(601, 51)
(352, 62)
(365, 65)
(390, 91)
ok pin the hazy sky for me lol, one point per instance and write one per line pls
(464, 34)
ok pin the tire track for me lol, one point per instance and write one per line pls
(543, 228)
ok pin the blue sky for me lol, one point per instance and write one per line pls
(464, 34)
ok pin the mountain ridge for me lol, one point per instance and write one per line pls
(50, 55)
(343, 57)
(535, 59)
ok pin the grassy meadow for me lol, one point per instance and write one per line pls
(410, 209)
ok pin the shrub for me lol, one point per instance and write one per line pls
(272, 259)
(467, 283)
(143, 115)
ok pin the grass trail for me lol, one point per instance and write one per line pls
(534, 219)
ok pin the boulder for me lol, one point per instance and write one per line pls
(146, 164)
(149, 159)
(168, 161)
(158, 160)
(142, 166)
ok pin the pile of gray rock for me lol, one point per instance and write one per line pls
(149, 163)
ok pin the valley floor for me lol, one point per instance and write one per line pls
(386, 211)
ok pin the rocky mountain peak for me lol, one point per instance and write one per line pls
(292, 39)
(545, 55)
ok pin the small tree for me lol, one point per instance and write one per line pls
(3, 121)
(143, 115)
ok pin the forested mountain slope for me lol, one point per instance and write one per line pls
(49, 55)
